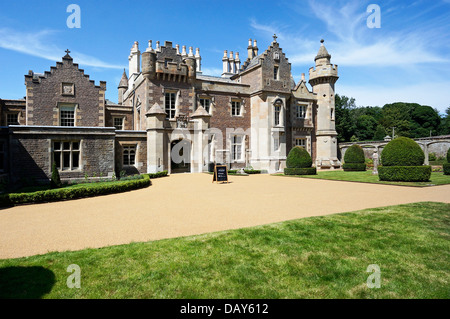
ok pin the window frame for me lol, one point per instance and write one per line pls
(12, 114)
(209, 103)
(234, 146)
(62, 151)
(301, 139)
(122, 122)
(233, 107)
(276, 72)
(171, 108)
(65, 108)
(300, 111)
(129, 148)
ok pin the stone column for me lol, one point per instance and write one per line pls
(425, 150)
(155, 139)
(200, 139)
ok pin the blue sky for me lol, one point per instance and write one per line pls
(406, 59)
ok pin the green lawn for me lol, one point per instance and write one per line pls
(368, 177)
(318, 257)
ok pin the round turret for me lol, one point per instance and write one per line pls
(149, 63)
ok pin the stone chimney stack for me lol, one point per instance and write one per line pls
(237, 62)
(250, 49)
(225, 62)
(134, 62)
(183, 52)
(255, 49)
(198, 59)
(231, 62)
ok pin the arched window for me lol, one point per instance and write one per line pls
(277, 112)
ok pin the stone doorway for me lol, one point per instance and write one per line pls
(180, 156)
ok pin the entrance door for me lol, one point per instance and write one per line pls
(180, 156)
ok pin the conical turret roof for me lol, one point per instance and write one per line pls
(124, 80)
(323, 53)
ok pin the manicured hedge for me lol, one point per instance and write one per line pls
(354, 167)
(405, 173)
(448, 155)
(402, 151)
(88, 190)
(300, 171)
(252, 171)
(298, 157)
(157, 175)
(354, 154)
(446, 167)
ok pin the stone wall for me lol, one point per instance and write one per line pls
(31, 153)
(65, 83)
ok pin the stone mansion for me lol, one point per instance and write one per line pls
(170, 116)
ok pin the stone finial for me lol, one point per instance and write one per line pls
(275, 38)
(150, 49)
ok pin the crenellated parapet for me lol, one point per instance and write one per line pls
(168, 64)
(327, 73)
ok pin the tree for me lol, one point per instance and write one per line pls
(365, 127)
(444, 127)
(397, 115)
(345, 125)
(55, 181)
(380, 133)
(423, 120)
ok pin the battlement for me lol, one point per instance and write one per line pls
(327, 70)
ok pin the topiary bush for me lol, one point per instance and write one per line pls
(354, 159)
(402, 151)
(446, 166)
(55, 181)
(402, 160)
(405, 173)
(299, 162)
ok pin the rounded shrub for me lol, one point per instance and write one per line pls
(402, 160)
(446, 166)
(354, 159)
(298, 157)
(402, 151)
(299, 162)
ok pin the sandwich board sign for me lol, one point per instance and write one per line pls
(220, 173)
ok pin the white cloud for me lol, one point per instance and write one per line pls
(38, 44)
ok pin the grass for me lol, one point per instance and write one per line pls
(318, 257)
(368, 177)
